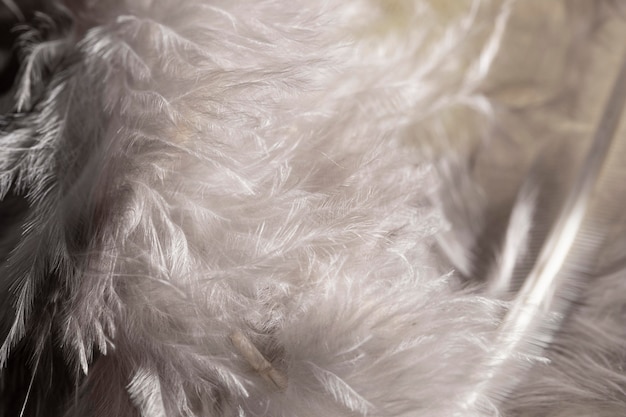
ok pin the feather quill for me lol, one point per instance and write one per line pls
(547, 292)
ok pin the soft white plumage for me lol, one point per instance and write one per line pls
(294, 208)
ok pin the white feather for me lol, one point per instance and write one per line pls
(232, 208)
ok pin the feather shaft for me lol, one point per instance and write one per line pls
(257, 361)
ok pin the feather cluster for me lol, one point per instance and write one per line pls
(300, 208)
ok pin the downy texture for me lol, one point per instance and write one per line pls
(294, 208)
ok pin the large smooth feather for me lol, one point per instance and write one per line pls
(547, 292)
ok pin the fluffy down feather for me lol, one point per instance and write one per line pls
(293, 208)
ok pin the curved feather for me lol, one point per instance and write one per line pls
(531, 322)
